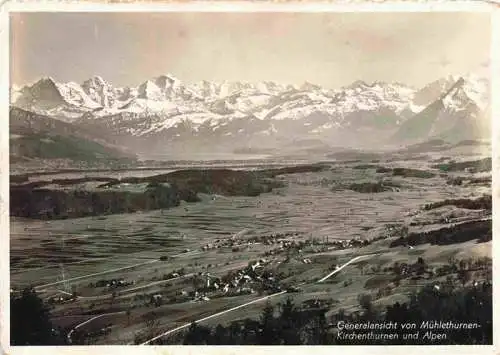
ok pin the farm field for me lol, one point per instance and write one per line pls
(137, 275)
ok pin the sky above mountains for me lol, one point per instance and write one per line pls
(329, 49)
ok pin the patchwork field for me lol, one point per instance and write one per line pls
(137, 275)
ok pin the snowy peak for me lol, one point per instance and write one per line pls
(213, 90)
(74, 95)
(15, 93)
(167, 81)
(44, 94)
(165, 104)
(433, 90)
(95, 82)
(356, 84)
(307, 86)
(100, 91)
(477, 89)
(467, 94)
(46, 88)
(455, 113)
(65, 101)
(166, 87)
(269, 87)
(207, 89)
(470, 89)
(150, 91)
(376, 96)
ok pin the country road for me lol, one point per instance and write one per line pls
(90, 320)
(251, 302)
(41, 287)
(213, 316)
(108, 295)
(343, 266)
(127, 291)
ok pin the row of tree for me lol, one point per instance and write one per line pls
(289, 324)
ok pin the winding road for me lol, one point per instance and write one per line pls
(212, 316)
(127, 291)
(108, 295)
(252, 302)
(90, 320)
(42, 287)
(343, 266)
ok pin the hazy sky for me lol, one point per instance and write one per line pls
(330, 49)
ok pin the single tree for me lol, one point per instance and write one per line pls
(268, 334)
(30, 321)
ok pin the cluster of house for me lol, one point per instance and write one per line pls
(274, 237)
(405, 269)
(348, 243)
(235, 242)
(243, 281)
(113, 283)
(62, 298)
(284, 241)
(284, 245)
(227, 243)
(319, 244)
(317, 303)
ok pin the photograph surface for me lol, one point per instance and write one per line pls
(250, 178)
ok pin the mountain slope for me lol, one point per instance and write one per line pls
(419, 125)
(48, 146)
(37, 136)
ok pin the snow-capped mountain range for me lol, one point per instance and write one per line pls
(164, 110)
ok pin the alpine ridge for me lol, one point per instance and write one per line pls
(165, 114)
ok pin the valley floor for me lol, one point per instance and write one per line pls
(128, 278)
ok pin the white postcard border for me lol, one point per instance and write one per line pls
(216, 6)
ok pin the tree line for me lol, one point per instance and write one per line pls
(291, 324)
